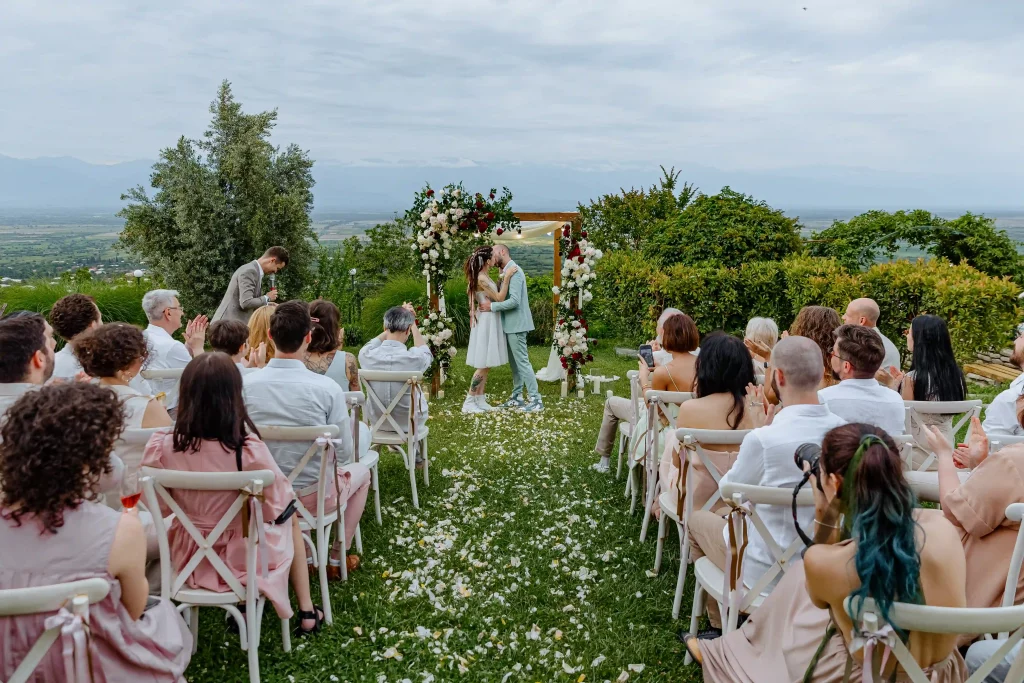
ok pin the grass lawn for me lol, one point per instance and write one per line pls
(522, 564)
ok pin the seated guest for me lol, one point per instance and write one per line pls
(1001, 414)
(259, 331)
(71, 317)
(387, 352)
(324, 356)
(213, 433)
(934, 376)
(26, 355)
(163, 310)
(982, 650)
(760, 338)
(977, 508)
(232, 337)
(885, 549)
(723, 373)
(114, 353)
(286, 394)
(680, 339)
(766, 459)
(661, 356)
(859, 397)
(56, 445)
(864, 312)
(817, 323)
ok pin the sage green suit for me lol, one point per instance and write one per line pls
(516, 320)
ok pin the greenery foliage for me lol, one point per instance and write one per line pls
(220, 202)
(982, 311)
(117, 300)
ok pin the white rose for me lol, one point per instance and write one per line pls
(456, 193)
(425, 215)
(424, 256)
(433, 316)
(555, 290)
(433, 253)
(452, 351)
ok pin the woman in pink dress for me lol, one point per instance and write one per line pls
(56, 445)
(213, 433)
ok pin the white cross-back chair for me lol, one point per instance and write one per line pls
(131, 445)
(997, 442)
(940, 620)
(727, 587)
(626, 428)
(387, 431)
(660, 405)
(926, 484)
(1014, 513)
(915, 418)
(157, 485)
(677, 504)
(316, 524)
(163, 373)
(68, 607)
(355, 400)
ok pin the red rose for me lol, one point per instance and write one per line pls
(580, 258)
(499, 231)
(482, 225)
(430, 193)
(577, 356)
(565, 363)
(490, 216)
(584, 234)
(463, 224)
(565, 233)
(482, 229)
(590, 358)
(492, 195)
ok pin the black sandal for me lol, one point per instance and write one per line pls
(317, 615)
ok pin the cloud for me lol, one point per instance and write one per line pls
(890, 84)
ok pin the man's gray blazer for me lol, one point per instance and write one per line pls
(243, 295)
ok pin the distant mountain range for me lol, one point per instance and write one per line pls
(64, 183)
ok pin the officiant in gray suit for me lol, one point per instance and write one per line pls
(244, 291)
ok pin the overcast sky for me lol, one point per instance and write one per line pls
(898, 85)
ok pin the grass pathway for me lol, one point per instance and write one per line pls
(521, 565)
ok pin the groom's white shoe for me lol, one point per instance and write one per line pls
(470, 406)
(483, 405)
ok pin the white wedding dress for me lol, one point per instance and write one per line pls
(487, 347)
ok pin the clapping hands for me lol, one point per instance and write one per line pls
(195, 334)
(762, 413)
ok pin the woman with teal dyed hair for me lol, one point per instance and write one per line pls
(870, 541)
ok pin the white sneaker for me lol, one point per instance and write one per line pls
(600, 467)
(481, 402)
(470, 406)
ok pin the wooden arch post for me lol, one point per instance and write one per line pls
(556, 234)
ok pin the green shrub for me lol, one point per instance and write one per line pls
(625, 298)
(542, 308)
(116, 301)
(414, 290)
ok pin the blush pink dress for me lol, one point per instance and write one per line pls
(205, 509)
(157, 647)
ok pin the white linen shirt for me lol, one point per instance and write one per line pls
(865, 400)
(892, 354)
(10, 393)
(286, 394)
(66, 367)
(165, 353)
(1001, 414)
(393, 356)
(766, 459)
(244, 370)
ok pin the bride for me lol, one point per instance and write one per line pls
(487, 346)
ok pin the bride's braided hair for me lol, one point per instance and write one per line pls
(476, 264)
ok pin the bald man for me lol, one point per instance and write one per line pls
(864, 312)
(766, 459)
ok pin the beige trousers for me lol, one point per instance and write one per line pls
(707, 539)
(616, 409)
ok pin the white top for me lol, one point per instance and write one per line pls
(393, 356)
(10, 393)
(66, 367)
(766, 459)
(892, 354)
(865, 400)
(134, 403)
(1001, 415)
(165, 353)
(286, 394)
(244, 370)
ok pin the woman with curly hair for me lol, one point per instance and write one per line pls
(114, 354)
(817, 323)
(56, 446)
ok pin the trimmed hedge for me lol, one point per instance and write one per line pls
(982, 311)
(116, 301)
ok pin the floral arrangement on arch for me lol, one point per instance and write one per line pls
(571, 338)
(439, 331)
(441, 218)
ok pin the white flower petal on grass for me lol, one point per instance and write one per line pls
(570, 669)
(637, 668)
(623, 677)
(533, 633)
(598, 661)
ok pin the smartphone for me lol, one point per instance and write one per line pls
(647, 353)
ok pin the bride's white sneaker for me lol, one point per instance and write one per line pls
(481, 402)
(470, 406)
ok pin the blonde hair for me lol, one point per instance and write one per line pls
(259, 329)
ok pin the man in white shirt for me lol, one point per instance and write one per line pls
(865, 312)
(766, 459)
(1001, 414)
(72, 317)
(163, 310)
(232, 337)
(388, 352)
(856, 357)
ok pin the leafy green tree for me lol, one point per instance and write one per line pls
(626, 220)
(974, 240)
(865, 239)
(220, 202)
(726, 229)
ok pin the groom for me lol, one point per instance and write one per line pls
(516, 321)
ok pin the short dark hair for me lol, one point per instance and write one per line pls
(72, 315)
(21, 335)
(679, 334)
(210, 405)
(861, 347)
(327, 327)
(289, 325)
(279, 253)
(228, 336)
(110, 348)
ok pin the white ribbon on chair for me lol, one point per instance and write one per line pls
(255, 500)
(74, 636)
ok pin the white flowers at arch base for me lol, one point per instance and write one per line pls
(572, 340)
(439, 331)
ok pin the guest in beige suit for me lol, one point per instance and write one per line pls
(243, 294)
